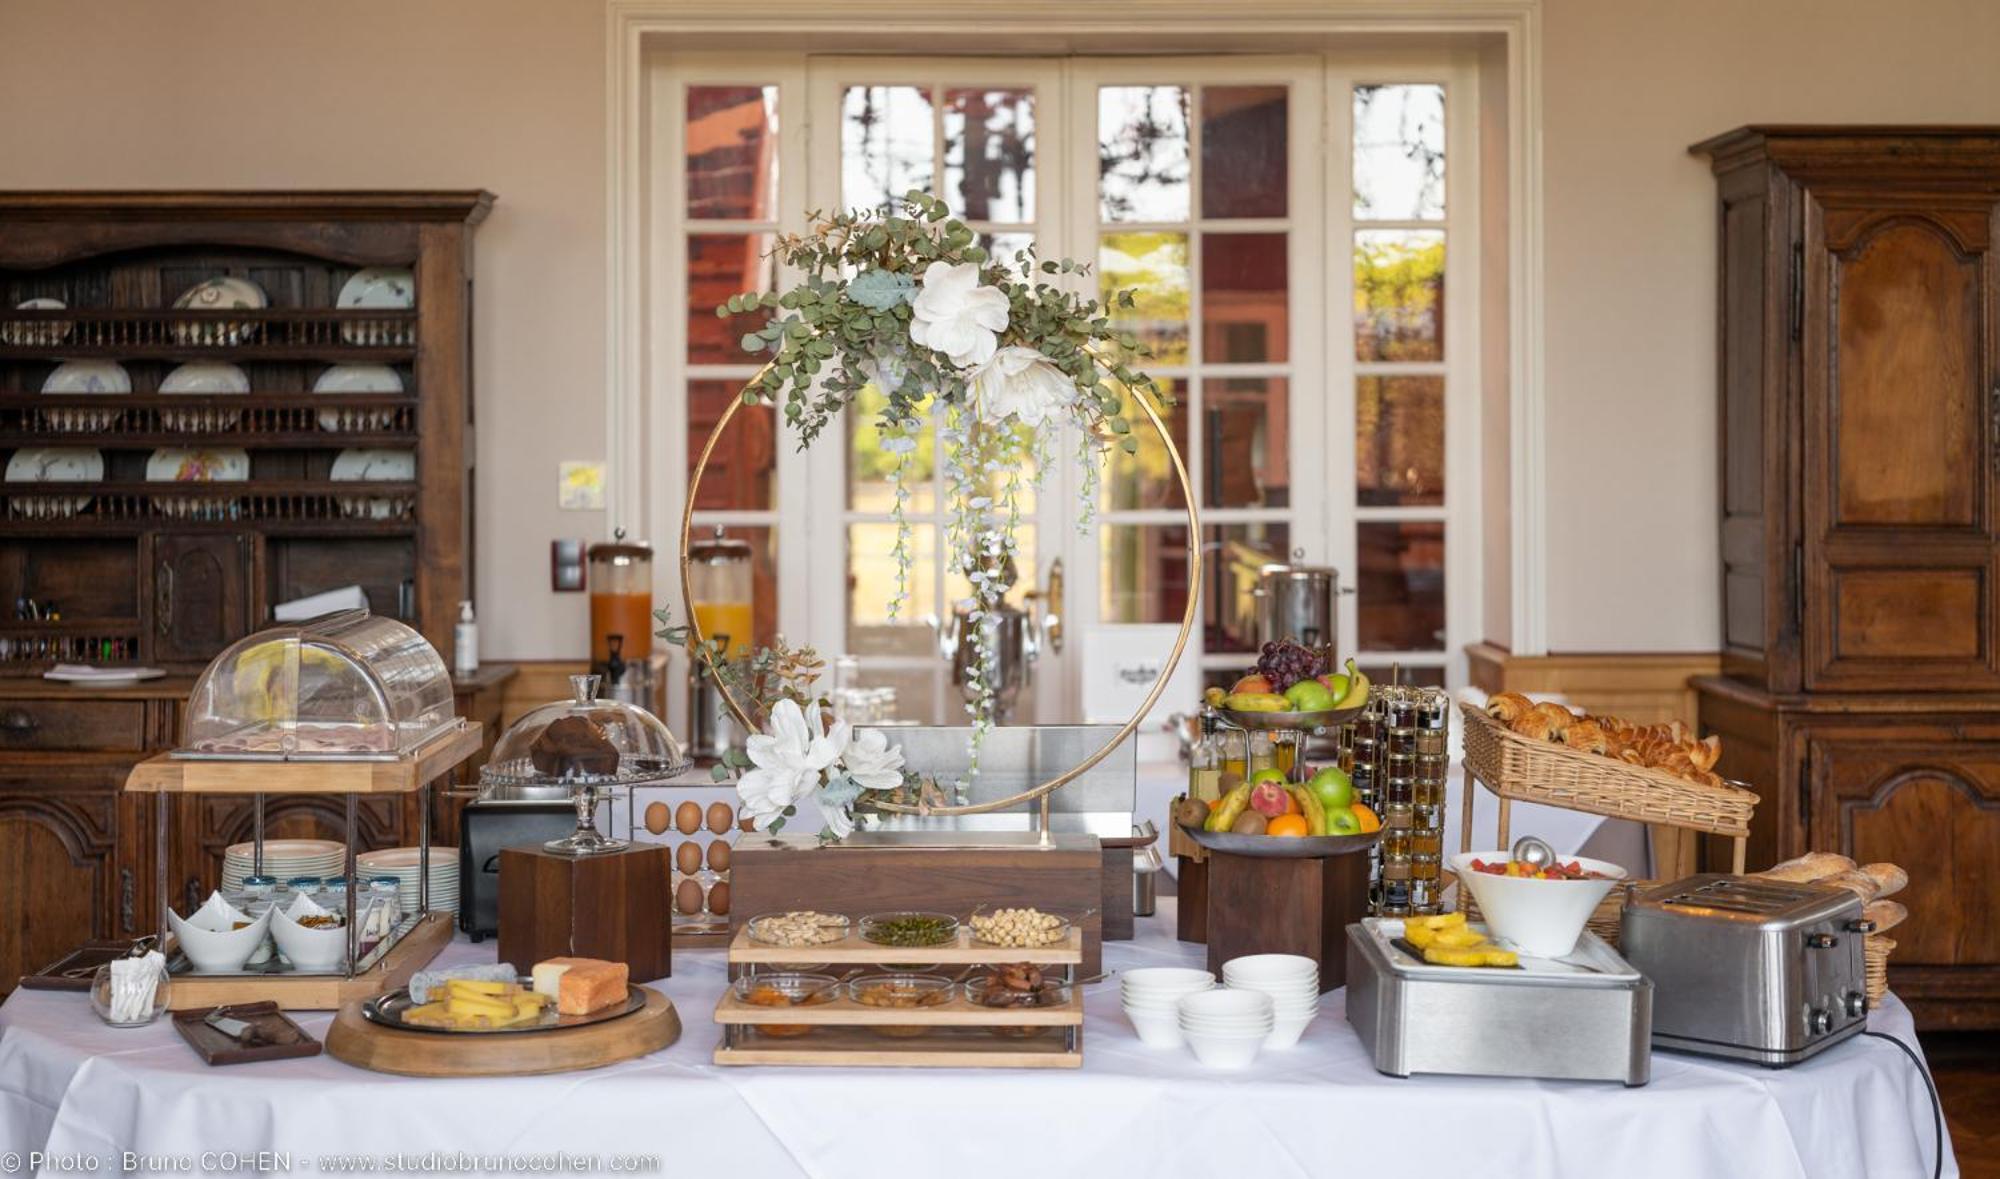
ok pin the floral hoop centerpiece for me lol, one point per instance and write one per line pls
(998, 357)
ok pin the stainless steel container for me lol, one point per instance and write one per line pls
(1587, 1017)
(1297, 602)
(1017, 646)
(1749, 969)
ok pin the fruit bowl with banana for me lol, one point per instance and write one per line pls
(1268, 816)
(1292, 689)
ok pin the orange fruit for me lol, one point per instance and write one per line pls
(1292, 805)
(1370, 821)
(1291, 825)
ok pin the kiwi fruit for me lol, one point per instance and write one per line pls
(1191, 812)
(1248, 823)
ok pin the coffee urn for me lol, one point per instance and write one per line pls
(1296, 602)
(721, 599)
(621, 619)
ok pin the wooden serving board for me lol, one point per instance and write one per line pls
(279, 1037)
(847, 1047)
(318, 992)
(167, 774)
(847, 1013)
(356, 1041)
(857, 951)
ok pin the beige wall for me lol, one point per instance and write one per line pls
(501, 94)
(509, 95)
(1630, 265)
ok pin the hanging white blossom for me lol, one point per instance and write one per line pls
(958, 315)
(1021, 383)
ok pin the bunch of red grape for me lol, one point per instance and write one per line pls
(1286, 663)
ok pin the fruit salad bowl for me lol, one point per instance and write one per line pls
(1272, 847)
(1303, 722)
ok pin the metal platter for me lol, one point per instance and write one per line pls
(388, 1010)
(1277, 847)
(1304, 722)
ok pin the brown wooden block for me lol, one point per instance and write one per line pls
(949, 874)
(1191, 909)
(613, 906)
(1270, 906)
(1116, 896)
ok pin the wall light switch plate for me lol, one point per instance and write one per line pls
(566, 566)
(580, 487)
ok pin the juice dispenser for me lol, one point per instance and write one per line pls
(721, 602)
(621, 618)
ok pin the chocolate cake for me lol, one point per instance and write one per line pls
(574, 746)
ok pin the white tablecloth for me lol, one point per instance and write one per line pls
(69, 1085)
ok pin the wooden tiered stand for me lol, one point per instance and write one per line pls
(957, 1034)
(419, 943)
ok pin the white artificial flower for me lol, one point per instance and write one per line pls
(955, 315)
(871, 762)
(788, 762)
(839, 820)
(1021, 382)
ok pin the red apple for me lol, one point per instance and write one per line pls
(1270, 799)
(1252, 685)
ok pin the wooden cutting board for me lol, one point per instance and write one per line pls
(355, 1040)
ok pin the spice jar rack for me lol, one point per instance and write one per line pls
(955, 1034)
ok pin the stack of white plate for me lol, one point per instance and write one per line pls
(1152, 998)
(283, 859)
(401, 863)
(1226, 1027)
(1292, 983)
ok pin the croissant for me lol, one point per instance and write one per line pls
(1587, 736)
(1704, 753)
(1507, 706)
(1536, 725)
(1560, 718)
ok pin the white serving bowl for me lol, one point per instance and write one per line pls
(1155, 1030)
(1165, 978)
(1285, 1033)
(1271, 967)
(219, 951)
(1225, 1005)
(1538, 917)
(1224, 1050)
(309, 950)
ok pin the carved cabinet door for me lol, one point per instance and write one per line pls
(1932, 806)
(61, 880)
(201, 595)
(1901, 395)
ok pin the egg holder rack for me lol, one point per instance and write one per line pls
(663, 819)
(956, 1034)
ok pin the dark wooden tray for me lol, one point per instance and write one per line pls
(83, 961)
(278, 1037)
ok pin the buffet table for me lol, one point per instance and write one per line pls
(70, 1086)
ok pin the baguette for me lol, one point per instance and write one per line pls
(1859, 883)
(1886, 915)
(1889, 878)
(1807, 868)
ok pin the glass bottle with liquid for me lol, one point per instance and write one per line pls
(1263, 752)
(1205, 762)
(1234, 747)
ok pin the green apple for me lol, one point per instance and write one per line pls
(1343, 822)
(1335, 791)
(1335, 683)
(1310, 696)
(1277, 776)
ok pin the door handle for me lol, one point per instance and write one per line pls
(1051, 599)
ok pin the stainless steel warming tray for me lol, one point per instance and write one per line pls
(1585, 1017)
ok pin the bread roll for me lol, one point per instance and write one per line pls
(1889, 879)
(1861, 884)
(1809, 867)
(1886, 915)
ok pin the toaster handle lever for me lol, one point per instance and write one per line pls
(1861, 925)
(1821, 941)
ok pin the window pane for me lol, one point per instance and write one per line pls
(743, 468)
(1404, 674)
(1235, 552)
(1401, 585)
(871, 582)
(1142, 153)
(989, 154)
(1144, 572)
(1243, 297)
(1399, 294)
(1245, 422)
(1243, 158)
(1154, 266)
(868, 466)
(1399, 153)
(1001, 247)
(885, 145)
(915, 689)
(732, 152)
(763, 589)
(721, 265)
(1146, 479)
(1399, 441)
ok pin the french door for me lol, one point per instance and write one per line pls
(1287, 224)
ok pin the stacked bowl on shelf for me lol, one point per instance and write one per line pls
(1291, 981)
(1226, 1028)
(1267, 1002)
(1152, 998)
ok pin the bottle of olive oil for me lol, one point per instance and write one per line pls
(1205, 762)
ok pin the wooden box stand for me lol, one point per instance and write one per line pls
(1272, 906)
(954, 873)
(613, 906)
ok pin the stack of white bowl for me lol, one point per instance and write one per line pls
(1292, 983)
(1226, 1027)
(1152, 998)
(401, 863)
(284, 859)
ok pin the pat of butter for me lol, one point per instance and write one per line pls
(547, 977)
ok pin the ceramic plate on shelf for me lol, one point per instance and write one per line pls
(358, 378)
(38, 333)
(104, 676)
(206, 377)
(88, 376)
(375, 466)
(219, 294)
(55, 464)
(377, 288)
(178, 465)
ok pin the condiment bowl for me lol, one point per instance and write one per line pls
(880, 928)
(786, 990)
(1539, 917)
(309, 950)
(222, 951)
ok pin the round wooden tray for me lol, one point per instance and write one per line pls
(559, 1050)
(1270, 847)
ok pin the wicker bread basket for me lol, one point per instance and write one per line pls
(1528, 770)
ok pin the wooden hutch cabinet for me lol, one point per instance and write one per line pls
(1860, 440)
(179, 463)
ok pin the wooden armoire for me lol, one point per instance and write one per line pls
(1860, 506)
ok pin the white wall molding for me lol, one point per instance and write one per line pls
(634, 27)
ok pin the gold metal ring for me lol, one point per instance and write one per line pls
(1033, 792)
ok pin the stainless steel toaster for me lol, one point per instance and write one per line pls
(1747, 968)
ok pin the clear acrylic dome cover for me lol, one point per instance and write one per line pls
(345, 685)
(585, 741)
